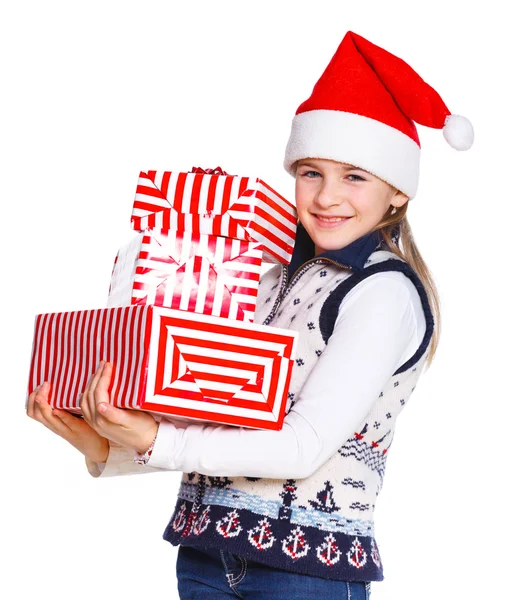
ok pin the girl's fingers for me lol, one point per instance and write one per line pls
(87, 404)
(44, 413)
(95, 378)
(85, 408)
(30, 403)
(103, 383)
(91, 378)
(40, 393)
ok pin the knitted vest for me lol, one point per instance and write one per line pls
(322, 525)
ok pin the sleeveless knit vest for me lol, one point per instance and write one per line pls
(321, 525)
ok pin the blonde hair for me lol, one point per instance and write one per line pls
(405, 247)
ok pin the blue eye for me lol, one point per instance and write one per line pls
(307, 173)
(359, 178)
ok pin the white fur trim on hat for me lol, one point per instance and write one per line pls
(361, 141)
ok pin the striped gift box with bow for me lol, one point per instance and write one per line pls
(243, 208)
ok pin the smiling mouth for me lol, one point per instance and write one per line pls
(331, 219)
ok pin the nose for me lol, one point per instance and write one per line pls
(328, 196)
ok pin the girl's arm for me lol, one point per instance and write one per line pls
(376, 331)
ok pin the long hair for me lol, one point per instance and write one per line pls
(398, 237)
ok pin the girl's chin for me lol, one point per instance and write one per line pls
(325, 243)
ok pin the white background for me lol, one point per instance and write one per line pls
(92, 93)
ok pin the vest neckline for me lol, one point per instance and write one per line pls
(354, 254)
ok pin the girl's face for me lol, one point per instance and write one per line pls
(328, 191)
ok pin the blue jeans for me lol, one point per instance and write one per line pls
(217, 574)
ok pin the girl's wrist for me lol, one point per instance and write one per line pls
(101, 455)
(143, 457)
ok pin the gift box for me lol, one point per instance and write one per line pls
(201, 273)
(243, 208)
(168, 362)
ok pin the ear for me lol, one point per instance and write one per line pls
(399, 199)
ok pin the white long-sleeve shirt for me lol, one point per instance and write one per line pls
(380, 325)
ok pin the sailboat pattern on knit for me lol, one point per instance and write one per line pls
(321, 525)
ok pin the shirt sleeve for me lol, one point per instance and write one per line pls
(375, 332)
(120, 461)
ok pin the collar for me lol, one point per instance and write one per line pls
(354, 254)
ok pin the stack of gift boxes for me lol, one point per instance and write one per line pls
(178, 327)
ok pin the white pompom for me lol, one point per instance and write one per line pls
(458, 132)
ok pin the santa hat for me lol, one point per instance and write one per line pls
(362, 112)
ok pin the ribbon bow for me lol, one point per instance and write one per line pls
(216, 171)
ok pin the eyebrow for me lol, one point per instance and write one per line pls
(344, 168)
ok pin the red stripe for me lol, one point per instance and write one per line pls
(82, 368)
(58, 375)
(226, 301)
(233, 228)
(68, 366)
(211, 194)
(243, 185)
(52, 370)
(160, 293)
(249, 306)
(146, 190)
(179, 192)
(101, 319)
(165, 220)
(195, 192)
(226, 199)
(274, 381)
(246, 291)
(162, 361)
(165, 181)
(44, 374)
(78, 370)
(75, 357)
(110, 338)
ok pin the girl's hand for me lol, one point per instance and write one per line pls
(74, 430)
(129, 428)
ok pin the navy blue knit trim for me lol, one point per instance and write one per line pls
(329, 311)
(354, 254)
(342, 568)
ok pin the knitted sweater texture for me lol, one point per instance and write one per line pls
(322, 525)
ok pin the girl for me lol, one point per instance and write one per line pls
(271, 514)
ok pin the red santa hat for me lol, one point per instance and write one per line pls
(362, 112)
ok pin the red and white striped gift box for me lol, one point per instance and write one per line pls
(243, 208)
(169, 362)
(201, 273)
